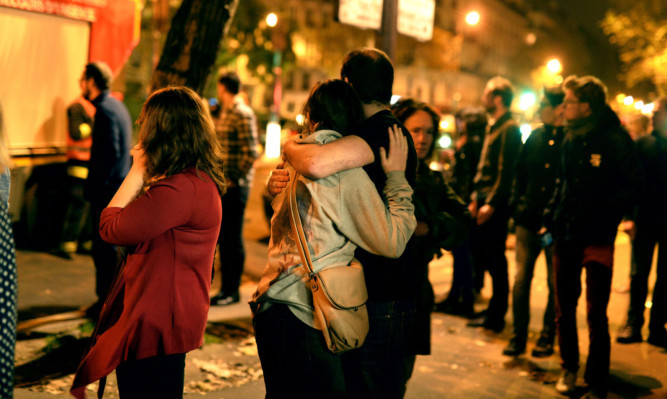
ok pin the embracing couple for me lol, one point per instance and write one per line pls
(347, 212)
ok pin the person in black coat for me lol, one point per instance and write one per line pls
(443, 220)
(490, 201)
(533, 186)
(649, 227)
(599, 181)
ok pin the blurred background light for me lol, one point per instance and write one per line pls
(445, 141)
(272, 140)
(271, 20)
(472, 18)
(526, 130)
(554, 66)
(527, 100)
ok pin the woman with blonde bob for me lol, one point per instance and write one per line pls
(168, 212)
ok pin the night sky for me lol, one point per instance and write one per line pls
(588, 14)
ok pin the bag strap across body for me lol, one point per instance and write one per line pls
(297, 228)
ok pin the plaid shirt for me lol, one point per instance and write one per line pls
(237, 131)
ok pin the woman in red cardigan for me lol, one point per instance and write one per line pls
(168, 212)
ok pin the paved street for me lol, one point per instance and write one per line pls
(466, 362)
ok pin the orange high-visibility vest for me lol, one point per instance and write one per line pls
(80, 125)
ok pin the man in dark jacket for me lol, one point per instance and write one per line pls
(650, 225)
(599, 180)
(109, 164)
(490, 200)
(533, 186)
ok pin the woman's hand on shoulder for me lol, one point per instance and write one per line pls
(398, 151)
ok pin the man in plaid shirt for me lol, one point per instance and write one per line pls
(237, 131)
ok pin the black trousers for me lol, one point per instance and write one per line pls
(159, 376)
(232, 253)
(488, 253)
(569, 261)
(104, 254)
(295, 358)
(642, 258)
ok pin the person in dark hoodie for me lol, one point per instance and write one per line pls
(533, 186)
(599, 180)
(649, 226)
(443, 219)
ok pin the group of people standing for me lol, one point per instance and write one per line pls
(566, 189)
(365, 193)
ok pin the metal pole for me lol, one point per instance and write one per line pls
(389, 20)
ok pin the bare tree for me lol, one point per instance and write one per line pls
(193, 42)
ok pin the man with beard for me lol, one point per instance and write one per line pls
(109, 164)
(490, 201)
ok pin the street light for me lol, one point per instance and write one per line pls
(271, 20)
(273, 129)
(554, 66)
(472, 18)
(526, 101)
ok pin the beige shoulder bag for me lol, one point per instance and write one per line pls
(339, 292)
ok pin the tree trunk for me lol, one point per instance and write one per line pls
(192, 43)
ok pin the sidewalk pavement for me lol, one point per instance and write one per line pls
(466, 362)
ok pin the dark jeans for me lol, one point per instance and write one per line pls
(569, 260)
(528, 248)
(232, 253)
(295, 358)
(154, 377)
(77, 215)
(378, 369)
(488, 253)
(642, 258)
(462, 276)
(104, 254)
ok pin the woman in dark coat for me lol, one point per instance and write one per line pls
(443, 220)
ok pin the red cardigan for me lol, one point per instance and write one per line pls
(159, 303)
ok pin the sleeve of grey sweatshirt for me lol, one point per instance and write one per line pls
(379, 227)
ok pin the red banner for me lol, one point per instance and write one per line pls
(115, 24)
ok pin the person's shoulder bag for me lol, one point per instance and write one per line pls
(339, 292)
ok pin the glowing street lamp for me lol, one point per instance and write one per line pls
(527, 100)
(273, 129)
(554, 66)
(271, 20)
(472, 18)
